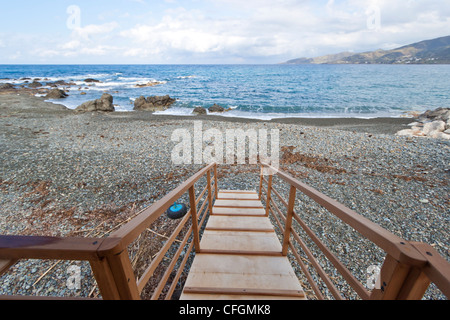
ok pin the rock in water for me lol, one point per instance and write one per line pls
(105, 104)
(199, 110)
(216, 108)
(154, 103)
(90, 80)
(56, 94)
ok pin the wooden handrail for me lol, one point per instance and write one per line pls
(384, 239)
(132, 229)
(409, 266)
(108, 256)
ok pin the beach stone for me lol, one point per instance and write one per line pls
(56, 94)
(405, 132)
(430, 127)
(153, 103)
(105, 104)
(35, 84)
(437, 114)
(216, 108)
(6, 86)
(199, 110)
(439, 135)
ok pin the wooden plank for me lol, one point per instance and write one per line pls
(239, 223)
(231, 272)
(239, 211)
(238, 203)
(245, 291)
(237, 196)
(242, 252)
(238, 191)
(196, 296)
(240, 241)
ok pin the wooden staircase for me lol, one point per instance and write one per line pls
(240, 256)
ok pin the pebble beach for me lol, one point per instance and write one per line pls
(64, 173)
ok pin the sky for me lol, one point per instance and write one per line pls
(210, 31)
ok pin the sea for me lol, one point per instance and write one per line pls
(262, 92)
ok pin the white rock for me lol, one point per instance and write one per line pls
(405, 132)
(433, 126)
(441, 135)
(417, 131)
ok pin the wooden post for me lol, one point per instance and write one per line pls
(399, 281)
(269, 192)
(288, 224)
(123, 274)
(261, 176)
(216, 190)
(208, 179)
(195, 230)
(105, 279)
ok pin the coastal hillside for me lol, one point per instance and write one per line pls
(435, 51)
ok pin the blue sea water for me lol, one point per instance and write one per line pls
(256, 91)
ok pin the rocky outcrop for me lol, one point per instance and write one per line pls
(154, 103)
(199, 110)
(432, 123)
(90, 80)
(216, 108)
(148, 84)
(104, 104)
(35, 84)
(7, 86)
(56, 94)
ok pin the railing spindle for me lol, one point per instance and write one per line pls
(288, 224)
(195, 230)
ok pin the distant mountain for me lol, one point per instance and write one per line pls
(435, 51)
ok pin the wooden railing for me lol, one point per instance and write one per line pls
(408, 268)
(109, 257)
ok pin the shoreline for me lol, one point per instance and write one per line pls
(382, 125)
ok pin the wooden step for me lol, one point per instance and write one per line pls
(238, 211)
(239, 191)
(239, 223)
(237, 196)
(262, 243)
(238, 203)
(241, 277)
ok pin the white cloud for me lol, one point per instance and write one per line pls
(228, 31)
(88, 31)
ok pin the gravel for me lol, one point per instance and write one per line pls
(66, 174)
